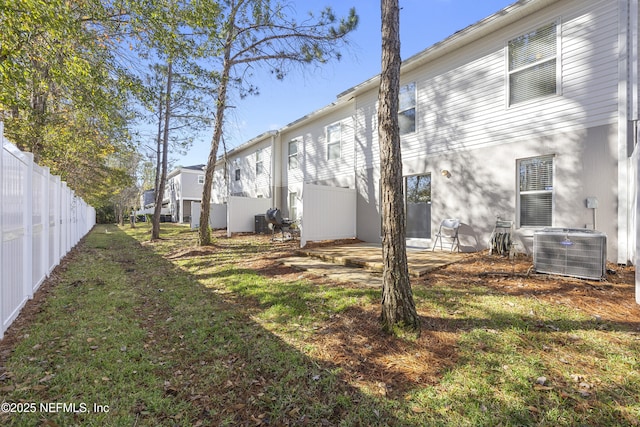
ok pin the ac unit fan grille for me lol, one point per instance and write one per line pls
(570, 252)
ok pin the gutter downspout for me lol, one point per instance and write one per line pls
(276, 169)
(635, 105)
(624, 40)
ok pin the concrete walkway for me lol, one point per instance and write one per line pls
(361, 263)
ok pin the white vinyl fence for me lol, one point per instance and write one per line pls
(40, 221)
(634, 235)
(242, 211)
(217, 215)
(328, 213)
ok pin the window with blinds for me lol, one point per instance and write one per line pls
(532, 65)
(536, 191)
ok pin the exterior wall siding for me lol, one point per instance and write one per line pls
(250, 184)
(465, 125)
(462, 98)
(220, 177)
(314, 166)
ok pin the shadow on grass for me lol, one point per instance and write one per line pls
(208, 362)
(213, 363)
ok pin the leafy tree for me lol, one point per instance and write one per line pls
(61, 97)
(398, 307)
(253, 33)
(178, 92)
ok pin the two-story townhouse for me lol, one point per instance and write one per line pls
(147, 202)
(529, 115)
(524, 115)
(183, 186)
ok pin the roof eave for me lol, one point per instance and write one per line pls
(467, 35)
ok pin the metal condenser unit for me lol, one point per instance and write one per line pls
(570, 252)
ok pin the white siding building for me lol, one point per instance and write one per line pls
(183, 186)
(524, 115)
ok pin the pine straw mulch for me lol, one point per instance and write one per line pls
(388, 365)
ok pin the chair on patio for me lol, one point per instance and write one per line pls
(448, 230)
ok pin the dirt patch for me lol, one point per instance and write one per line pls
(383, 364)
(192, 252)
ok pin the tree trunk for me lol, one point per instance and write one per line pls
(204, 236)
(398, 308)
(159, 145)
(155, 228)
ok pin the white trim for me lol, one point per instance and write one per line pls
(623, 117)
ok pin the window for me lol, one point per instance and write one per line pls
(407, 109)
(200, 179)
(259, 164)
(532, 65)
(237, 174)
(293, 206)
(333, 141)
(535, 191)
(293, 155)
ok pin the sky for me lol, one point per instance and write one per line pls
(422, 24)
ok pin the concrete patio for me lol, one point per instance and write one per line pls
(362, 262)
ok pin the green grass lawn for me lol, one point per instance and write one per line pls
(134, 333)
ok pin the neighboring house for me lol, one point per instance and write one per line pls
(184, 185)
(147, 202)
(525, 115)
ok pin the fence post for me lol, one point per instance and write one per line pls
(46, 234)
(28, 227)
(64, 218)
(54, 221)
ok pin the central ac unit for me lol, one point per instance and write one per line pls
(570, 252)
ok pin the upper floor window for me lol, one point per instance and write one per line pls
(535, 192)
(293, 155)
(259, 163)
(200, 179)
(334, 136)
(237, 173)
(532, 65)
(407, 109)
